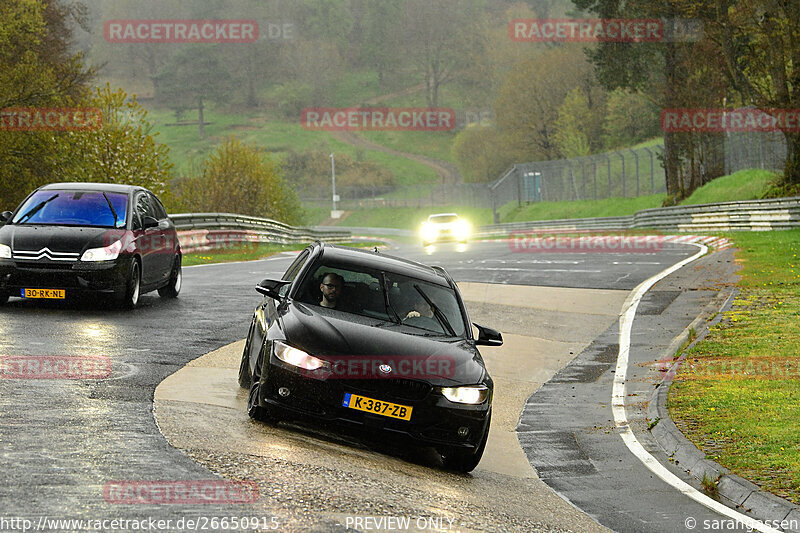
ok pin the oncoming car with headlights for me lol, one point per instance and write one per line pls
(371, 342)
(445, 227)
(71, 239)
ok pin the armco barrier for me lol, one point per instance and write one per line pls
(202, 231)
(751, 215)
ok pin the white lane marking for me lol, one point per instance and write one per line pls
(620, 416)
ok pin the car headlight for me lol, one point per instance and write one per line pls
(430, 231)
(5, 252)
(298, 358)
(106, 253)
(472, 395)
(461, 229)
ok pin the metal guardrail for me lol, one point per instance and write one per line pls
(751, 215)
(267, 230)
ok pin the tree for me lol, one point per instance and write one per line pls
(238, 178)
(124, 150)
(440, 40)
(527, 105)
(573, 115)
(758, 41)
(381, 36)
(37, 69)
(669, 73)
(631, 119)
(481, 154)
(193, 76)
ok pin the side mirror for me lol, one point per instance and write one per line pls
(150, 222)
(5, 216)
(488, 336)
(270, 287)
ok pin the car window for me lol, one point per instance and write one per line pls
(294, 268)
(143, 209)
(158, 209)
(412, 298)
(78, 208)
(443, 219)
(362, 294)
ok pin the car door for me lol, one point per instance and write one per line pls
(165, 239)
(266, 313)
(146, 239)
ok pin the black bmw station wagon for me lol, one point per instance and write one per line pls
(72, 239)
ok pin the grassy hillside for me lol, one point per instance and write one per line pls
(742, 185)
(274, 135)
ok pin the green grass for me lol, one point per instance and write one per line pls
(607, 207)
(238, 253)
(435, 144)
(273, 135)
(254, 252)
(742, 185)
(738, 398)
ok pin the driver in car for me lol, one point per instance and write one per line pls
(331, 288)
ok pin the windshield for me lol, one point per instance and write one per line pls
(74, 208)
(442, 219)
(419, 305)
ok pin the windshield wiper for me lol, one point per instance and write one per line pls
(113, 212)
(437, 312)
(35, 209)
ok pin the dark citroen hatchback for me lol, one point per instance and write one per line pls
(371, 342)
(71, 239)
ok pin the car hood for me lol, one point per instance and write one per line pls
(336, 336)
(55, 238)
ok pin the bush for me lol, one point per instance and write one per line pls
(238, 178)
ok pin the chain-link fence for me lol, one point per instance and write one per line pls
(616, 174)
(621, 173)
(766, 150)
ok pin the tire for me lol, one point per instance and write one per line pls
(244, 366)
(130, 299)
(171, 289)
(3, 297)
(466, 460)
(254, 410)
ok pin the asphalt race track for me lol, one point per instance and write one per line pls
(63, 441)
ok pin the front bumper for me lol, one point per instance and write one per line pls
(435, 421)
(105, 277)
